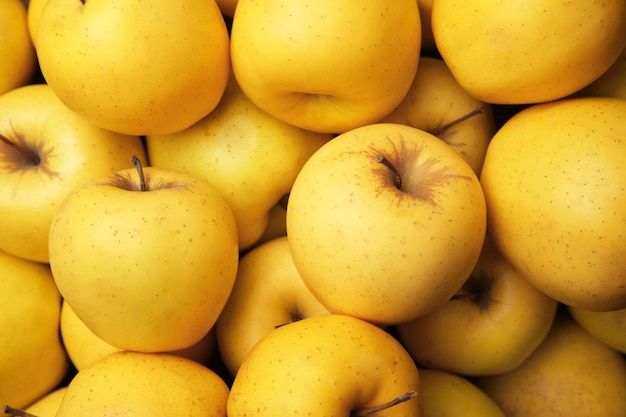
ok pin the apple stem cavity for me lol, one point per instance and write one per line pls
(32, 158)
(142, 178)
(397, 179)
(16, 412)
(463, 118)
(368, 411)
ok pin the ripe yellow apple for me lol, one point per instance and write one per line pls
(33, 14)
(84, 347)
(45, 151)
(609, 327)
(446, 394)
(570, 374)
(528, 52)
(268, 293)
(491, 326)
(437, 104)
(145, 384)
(133, 67)
(554, 182)
(146, 258)
(32, 358)
(330, 365)
(251, 157)
(17, 53)
(48, 405)
(326, 66)
(385, 222)
(610, 84)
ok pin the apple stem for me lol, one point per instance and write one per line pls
(397, 179)
(402, 398)
(463, 118)
(142, 179)
(16, 412)
(31, 156)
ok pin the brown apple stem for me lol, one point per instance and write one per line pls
(463, 118)
(397, 179)
(31, 157)
(367, 411)
(142, 179)
(16, 412)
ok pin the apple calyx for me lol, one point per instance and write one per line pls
(441, 129)
(371, 410)
(29, 157)
(16, 412)
(477, 289)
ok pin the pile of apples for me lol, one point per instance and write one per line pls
(313, 207)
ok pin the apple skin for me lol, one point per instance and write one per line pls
(71, 151)
(17, 52)
(268, 293)
(47, 405)
(554, 182)
(251, 157)
(436, 99)
(383, 254)
(570, 374)
(531, 52)
(610, 84)
(329, 365)
(326, 66)
(609, 327)
(134, 69)
(497, 321)
(32, 359)
(145, 270)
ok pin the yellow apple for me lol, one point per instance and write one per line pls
(48, 405)
(146, 258)
(32, 359)
(554, 182)
(570, 374)
(528, 52)
(84, 347)
(609, 327)
(251, 157)
(491, 326)
(610, 84)
(133, 67)
(17, 53)
(33, 14)
(145, 384)
(446, 394)
(268, 293)
(438, 104)
(329, 365)
(326, 66)
(375, 218)
(45, 151)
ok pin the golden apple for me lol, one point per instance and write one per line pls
(145, 384)
(329, 365)
(571, 374)
(33, 14)
(17, 53)
(375, 218)
(45, 151)
(554, 182)
(133, 67)
(446, 395)
(268, 293)
(437, 104)
(326, 66)
(48, 405)
(610, 84)
(491, 325)
(528, 52)
(609, 327)
(146, 258)
(251, 157)
(32, 359)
